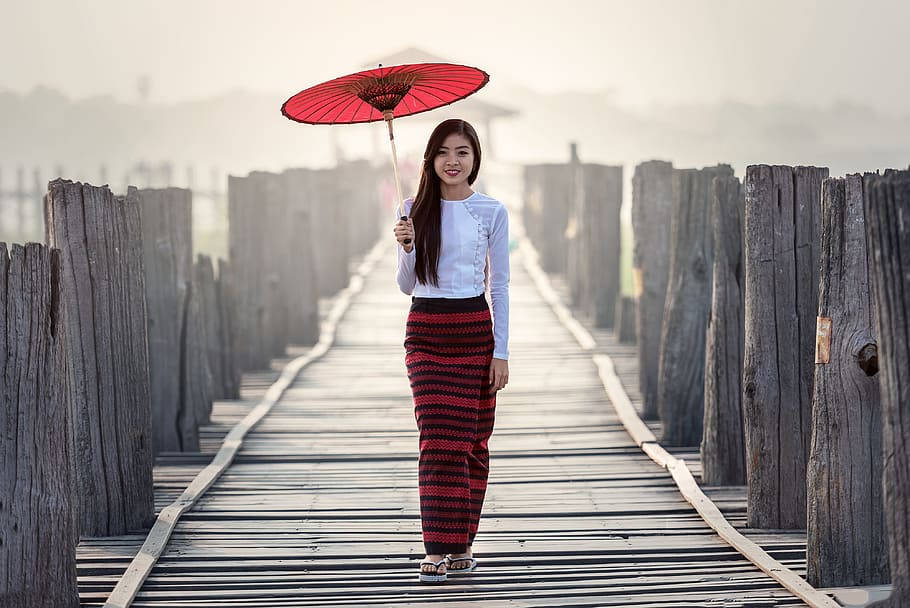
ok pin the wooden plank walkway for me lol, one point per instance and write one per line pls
(320, 506)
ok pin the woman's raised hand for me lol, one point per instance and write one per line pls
(404, 230)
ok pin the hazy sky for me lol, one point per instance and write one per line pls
(646, 51)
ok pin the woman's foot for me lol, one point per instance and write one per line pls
(433, 568)
(459, 562)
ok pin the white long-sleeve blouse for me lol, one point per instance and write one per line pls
(473, 230)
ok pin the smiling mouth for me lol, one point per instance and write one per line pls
(452, 172)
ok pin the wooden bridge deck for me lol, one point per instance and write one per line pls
(320, 506)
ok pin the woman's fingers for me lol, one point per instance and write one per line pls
(498, 378)
(403, 230)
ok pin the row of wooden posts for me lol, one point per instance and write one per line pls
(772, 323)
(114, 344)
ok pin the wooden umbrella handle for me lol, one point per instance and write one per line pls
(388, 116)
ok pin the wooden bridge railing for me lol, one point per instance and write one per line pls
(113, 344)
(761, 329)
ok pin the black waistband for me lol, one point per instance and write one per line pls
(474, 303)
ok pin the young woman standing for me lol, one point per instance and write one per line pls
(456, 357)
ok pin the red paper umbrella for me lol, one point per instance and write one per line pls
(383, 94)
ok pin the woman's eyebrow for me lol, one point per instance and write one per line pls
(456, 147)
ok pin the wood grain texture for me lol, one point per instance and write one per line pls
(360, 194)
(102, 296)
(577, 266)
(196, 384)
(206, 292)
(547, 191)
(681, 360)
(652, 203)
(167, 239)
(329, 236)
(229, 364)
(847, 541)
(887, 211)
(723, 449)
(272, 207)
(37, 519)
(781, 283)
(300, 260)
(626, 316)
(247, 243)
(594, 250)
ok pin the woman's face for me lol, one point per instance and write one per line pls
(454, 160)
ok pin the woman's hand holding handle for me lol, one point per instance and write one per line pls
(404, 232)
(407, 241)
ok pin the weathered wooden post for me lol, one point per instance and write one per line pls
(227, 322)
(102, 302)
(357, 191)
(781, 283)
(207, 290)
(600, 241)
(37, 523)
(329, 235)
(555, 217)
(577, 265)
(846, 540)
(624, 327)
(723, 450)
(548, 192)
(273, 205)
(887, 211)
(532, 207)
(167, 239)
(652, 202)
(246, 245)
(197, 377)
(681, 366)
(300, 268)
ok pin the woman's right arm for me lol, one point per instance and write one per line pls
(406, 276)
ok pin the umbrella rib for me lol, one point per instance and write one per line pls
(429, 92)
(322, 90)
(347, 103)
(326, 102)
(363, 103)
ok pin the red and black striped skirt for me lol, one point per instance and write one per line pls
(448, 349)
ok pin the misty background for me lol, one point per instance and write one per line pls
(185, 93)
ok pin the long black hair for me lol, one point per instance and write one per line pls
(426, 212)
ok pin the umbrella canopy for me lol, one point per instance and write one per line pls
(369, 95)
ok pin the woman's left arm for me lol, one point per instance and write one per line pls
(499, 293)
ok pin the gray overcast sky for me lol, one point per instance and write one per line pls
(646, 51)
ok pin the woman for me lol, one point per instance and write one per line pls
(457, 245)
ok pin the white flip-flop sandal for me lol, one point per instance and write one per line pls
(452, 570)
(426, 577)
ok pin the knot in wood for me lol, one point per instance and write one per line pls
(699, 268)
(749, 389)
(867, 359)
